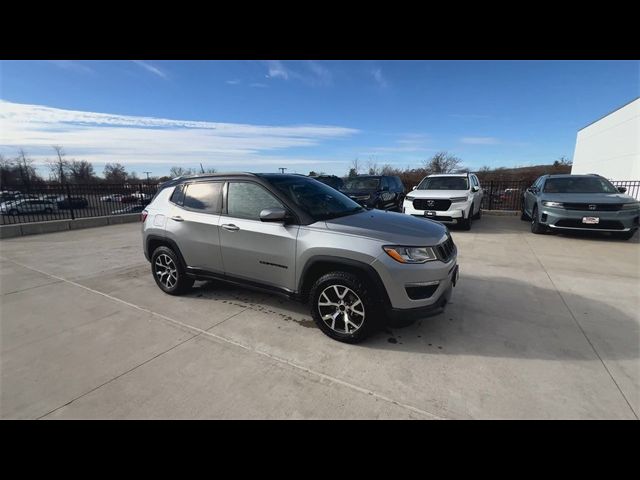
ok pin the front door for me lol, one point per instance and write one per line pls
(253, 250)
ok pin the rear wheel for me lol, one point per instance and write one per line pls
(168, 272)
(478, 215)
(536, 226)
(343, 307)
(523, 214)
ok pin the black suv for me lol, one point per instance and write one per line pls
(331, 180)
(376, 191)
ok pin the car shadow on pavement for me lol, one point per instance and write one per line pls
(530, 322)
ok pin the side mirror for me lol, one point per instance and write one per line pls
(273, 215)
(414, 187)
(474, 189)
(622, 189)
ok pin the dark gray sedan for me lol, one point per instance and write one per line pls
(580, 202)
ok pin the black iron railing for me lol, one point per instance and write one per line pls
(25, 204)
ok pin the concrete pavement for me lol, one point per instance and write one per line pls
(540, 327)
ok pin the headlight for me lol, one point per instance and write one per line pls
(409, 197)
(410, 254)
(459, 199)
(553, 204)
(631, 206)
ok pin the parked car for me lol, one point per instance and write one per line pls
(331, 180)
(129, 209)
(72, 202)
(292, 235)
(142, 196)
(7, 195)
(375, 191)
(16, 207)
(114, 197)
(453, 198)
(580, 202)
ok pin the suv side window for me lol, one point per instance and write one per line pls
(385, 183)
(538, 183)
(177, 196)
(203, 196)
(247, 200)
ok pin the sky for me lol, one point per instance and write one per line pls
(304, 115)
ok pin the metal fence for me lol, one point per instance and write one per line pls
(507, 195)
(24, 204)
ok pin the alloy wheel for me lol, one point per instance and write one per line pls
(166, 271)
(341, 309)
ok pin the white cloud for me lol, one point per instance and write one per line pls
(277, 70)
(150, 68)
(379, 77)
(72, 65)
(314, 73)
(102, 137)
(234, 82)
(258, 85)
(480, 140)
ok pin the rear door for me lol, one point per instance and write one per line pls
(193, 224)
(253, 250)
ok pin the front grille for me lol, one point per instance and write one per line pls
(603, 225)
(431, 204)
(599, 207)
(446, 249)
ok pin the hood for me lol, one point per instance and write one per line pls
(357, 193)
(438, 193)
(391, 227)
(588, 197)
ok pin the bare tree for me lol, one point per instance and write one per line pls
(115, 173)
(442, 162)
(59, 166)
(7, 170)
(26, 171)
(355, 167)
(81, 171)
(180, 171)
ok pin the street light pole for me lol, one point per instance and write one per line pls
(282, 169)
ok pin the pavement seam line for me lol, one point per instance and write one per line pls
(604, 365)
(323, 376)
(116, 377)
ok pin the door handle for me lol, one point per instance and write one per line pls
(230, 227)
(177, 218)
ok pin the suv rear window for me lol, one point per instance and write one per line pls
(203, 196)
(177, 196)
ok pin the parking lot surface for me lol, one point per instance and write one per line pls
(540, 326)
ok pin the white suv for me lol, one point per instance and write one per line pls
(453, 198)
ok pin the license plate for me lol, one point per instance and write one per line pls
(591, 220)
(429, 213)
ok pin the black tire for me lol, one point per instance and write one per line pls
(182, 283)
(367, 322)
(465, 223)
(536, 226)
(624, 235)
(13, 212)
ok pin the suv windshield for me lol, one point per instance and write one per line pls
(444, 183)
(367, 183)
(320, 201)
(578, 185)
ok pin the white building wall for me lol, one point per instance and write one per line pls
(611, 146)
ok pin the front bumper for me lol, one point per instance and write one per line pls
(562, 219)
(416, 286)
(455, 213)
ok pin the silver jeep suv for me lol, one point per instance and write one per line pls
(293, 235)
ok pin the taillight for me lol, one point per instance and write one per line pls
(143, 216)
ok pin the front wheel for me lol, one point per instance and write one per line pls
(343, 307)
(536, 226)
(465, 223)
(478, 215)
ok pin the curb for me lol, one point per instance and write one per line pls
(36, 228)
